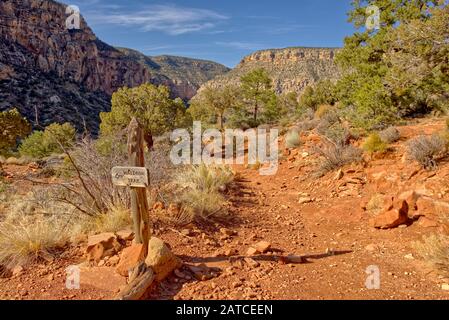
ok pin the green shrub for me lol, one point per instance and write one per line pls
(12, 128)
(292, 139)
(34, 146)
(374, 144)
(54, 139)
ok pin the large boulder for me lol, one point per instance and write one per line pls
(102, 245)
(161, 259)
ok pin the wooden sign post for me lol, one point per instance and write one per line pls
(136, 177)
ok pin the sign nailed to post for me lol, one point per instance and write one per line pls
(136, 177)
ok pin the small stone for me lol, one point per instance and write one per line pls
(230, 252)
(17, 271)
(125, 235)
(409, 256)
(251, 251)
(262, 246)
(186, 232)
(251, 262)
(445, 286)
(113, 261)
(227, 232)
(304, 200)
(371, 247)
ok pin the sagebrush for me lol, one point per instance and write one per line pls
(426, 150)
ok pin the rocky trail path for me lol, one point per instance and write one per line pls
(292, 236)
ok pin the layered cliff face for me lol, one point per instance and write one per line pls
(292, 69)
(43, 64)
(183, 76)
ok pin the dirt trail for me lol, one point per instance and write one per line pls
(330, 230)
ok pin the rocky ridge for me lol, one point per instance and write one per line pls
(52, 73)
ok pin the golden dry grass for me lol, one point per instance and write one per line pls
(29, 238)
(434, 249)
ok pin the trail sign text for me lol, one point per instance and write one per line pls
(136, 177)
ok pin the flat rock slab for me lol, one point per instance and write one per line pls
(102, 278)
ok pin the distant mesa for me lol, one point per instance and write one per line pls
(292, 69)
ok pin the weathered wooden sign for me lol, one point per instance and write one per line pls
(136, 177)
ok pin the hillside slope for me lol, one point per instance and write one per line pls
(54, 74)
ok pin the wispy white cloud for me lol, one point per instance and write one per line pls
(239, 45)
(170, 19)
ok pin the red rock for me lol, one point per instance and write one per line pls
(251, 251)
(425, 206)
(262, 246)
(390, 219)
(103, 278)
(161, 259)
(130, 258)
(101, 246)
(393, 217)
(251, 262)
(125, 235)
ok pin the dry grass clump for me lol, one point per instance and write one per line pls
(336, 155)
(203, 177)
(29, 238)
(426, 150)
(307, 125)
(114, 220)
(22, 161)
(292, 139)
(376, 203)
(375, 144)
(323, 110)
(390, 135)
(203, 205)
(201, 190)
(434, 249)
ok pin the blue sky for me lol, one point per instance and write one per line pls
(219, 30)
